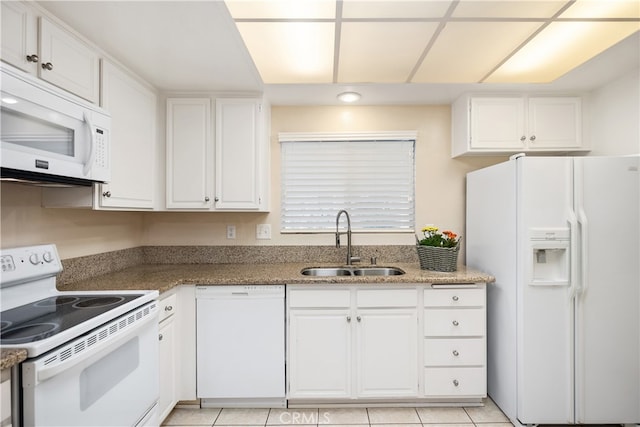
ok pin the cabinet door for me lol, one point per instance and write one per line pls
(319, 363)
(238, 137)
(189, 154)
(67, 62)
(555, 123)
(387, 345)
(167, 363)
(19, 36)
(133, 141)
(497, 123)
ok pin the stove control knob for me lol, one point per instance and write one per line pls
(35, 259)
(47, 256)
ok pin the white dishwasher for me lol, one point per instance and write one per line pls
(240, 344)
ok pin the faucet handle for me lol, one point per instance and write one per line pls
(355, 259)
(337, 240)
(374, 260)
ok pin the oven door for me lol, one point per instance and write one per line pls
(107, 377)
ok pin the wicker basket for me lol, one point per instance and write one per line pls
(438, 259)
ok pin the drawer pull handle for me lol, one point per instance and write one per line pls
(455, 298)
(455, 353)
(455, 323)
(168, 308)
(456, 383)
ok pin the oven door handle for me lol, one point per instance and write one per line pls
(97, 352)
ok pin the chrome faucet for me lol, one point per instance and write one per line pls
(350, 259)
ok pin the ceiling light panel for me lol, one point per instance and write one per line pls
(394, 9)
(384, 52)
(282, 9)
(508, 9)
(559, 48)
(466, 52)
(603, 9)
(290, 52)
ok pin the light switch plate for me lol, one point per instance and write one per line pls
(263, 231)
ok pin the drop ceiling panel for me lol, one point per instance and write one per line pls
(466, 52)
(603, 9)
(291, 52)
(394, 9)
(507, 9)
(381, 52)
(282, 9)
(559, 48)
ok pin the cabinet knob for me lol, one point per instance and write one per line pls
(168, 308)
(47, 66)
(456, 383)
(348, 318)
(523, 138)
(358, 318)
(217, 199)
(160, 337)
(106, 194)
(533, 138)
(455, 353)
(206, 199)
(32, 58)
(455, 298)
(455, 323)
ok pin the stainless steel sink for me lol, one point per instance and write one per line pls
(351, 271)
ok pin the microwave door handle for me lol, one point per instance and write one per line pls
(92, 143)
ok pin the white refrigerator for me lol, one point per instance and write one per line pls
(561, 236)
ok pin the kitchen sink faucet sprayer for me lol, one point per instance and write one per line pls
(350, 259)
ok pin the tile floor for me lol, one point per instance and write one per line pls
(486, 416)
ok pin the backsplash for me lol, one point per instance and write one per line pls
(75, 269)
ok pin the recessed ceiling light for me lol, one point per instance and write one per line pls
(349, 96)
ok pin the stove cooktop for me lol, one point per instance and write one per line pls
(50, 316)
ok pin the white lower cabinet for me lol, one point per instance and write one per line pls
(168, 356)
(455, 342)
(386, 344)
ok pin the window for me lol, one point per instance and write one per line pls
(372, 176)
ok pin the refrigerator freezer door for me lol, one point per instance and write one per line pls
(608, 306)
(544, 313)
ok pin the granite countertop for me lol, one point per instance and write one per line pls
(163, 277)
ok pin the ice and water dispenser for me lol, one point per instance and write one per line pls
(550, 256)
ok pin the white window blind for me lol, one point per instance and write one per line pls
(371, 176)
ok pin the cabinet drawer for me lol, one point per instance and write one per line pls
(167, 306)
(455, 382)
(454, 352)
(387, 298)
(454, 322)
(319, 298)
(454, 298)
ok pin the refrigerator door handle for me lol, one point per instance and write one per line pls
(583, 224)
(573, 255)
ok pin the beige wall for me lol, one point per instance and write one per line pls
(439, 193)
(439, 179)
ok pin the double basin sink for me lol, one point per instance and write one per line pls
(351, 271)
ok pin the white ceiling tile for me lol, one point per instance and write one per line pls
(291, 52)
(559, 48)
(466, 52)
(381, 52)
(508, 9)
(282, 9)
(394, 9)
(603, 9)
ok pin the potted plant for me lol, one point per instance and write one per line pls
(438, 251)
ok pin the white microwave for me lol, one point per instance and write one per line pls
(49, 136)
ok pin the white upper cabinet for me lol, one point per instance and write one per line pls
(19, 36)
(39, 46)
(239, 131)
(510, 124)
(227, 173)
(133, 109)
(189, 154)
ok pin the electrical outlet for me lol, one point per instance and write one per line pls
(263, 231)
(231, 231)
